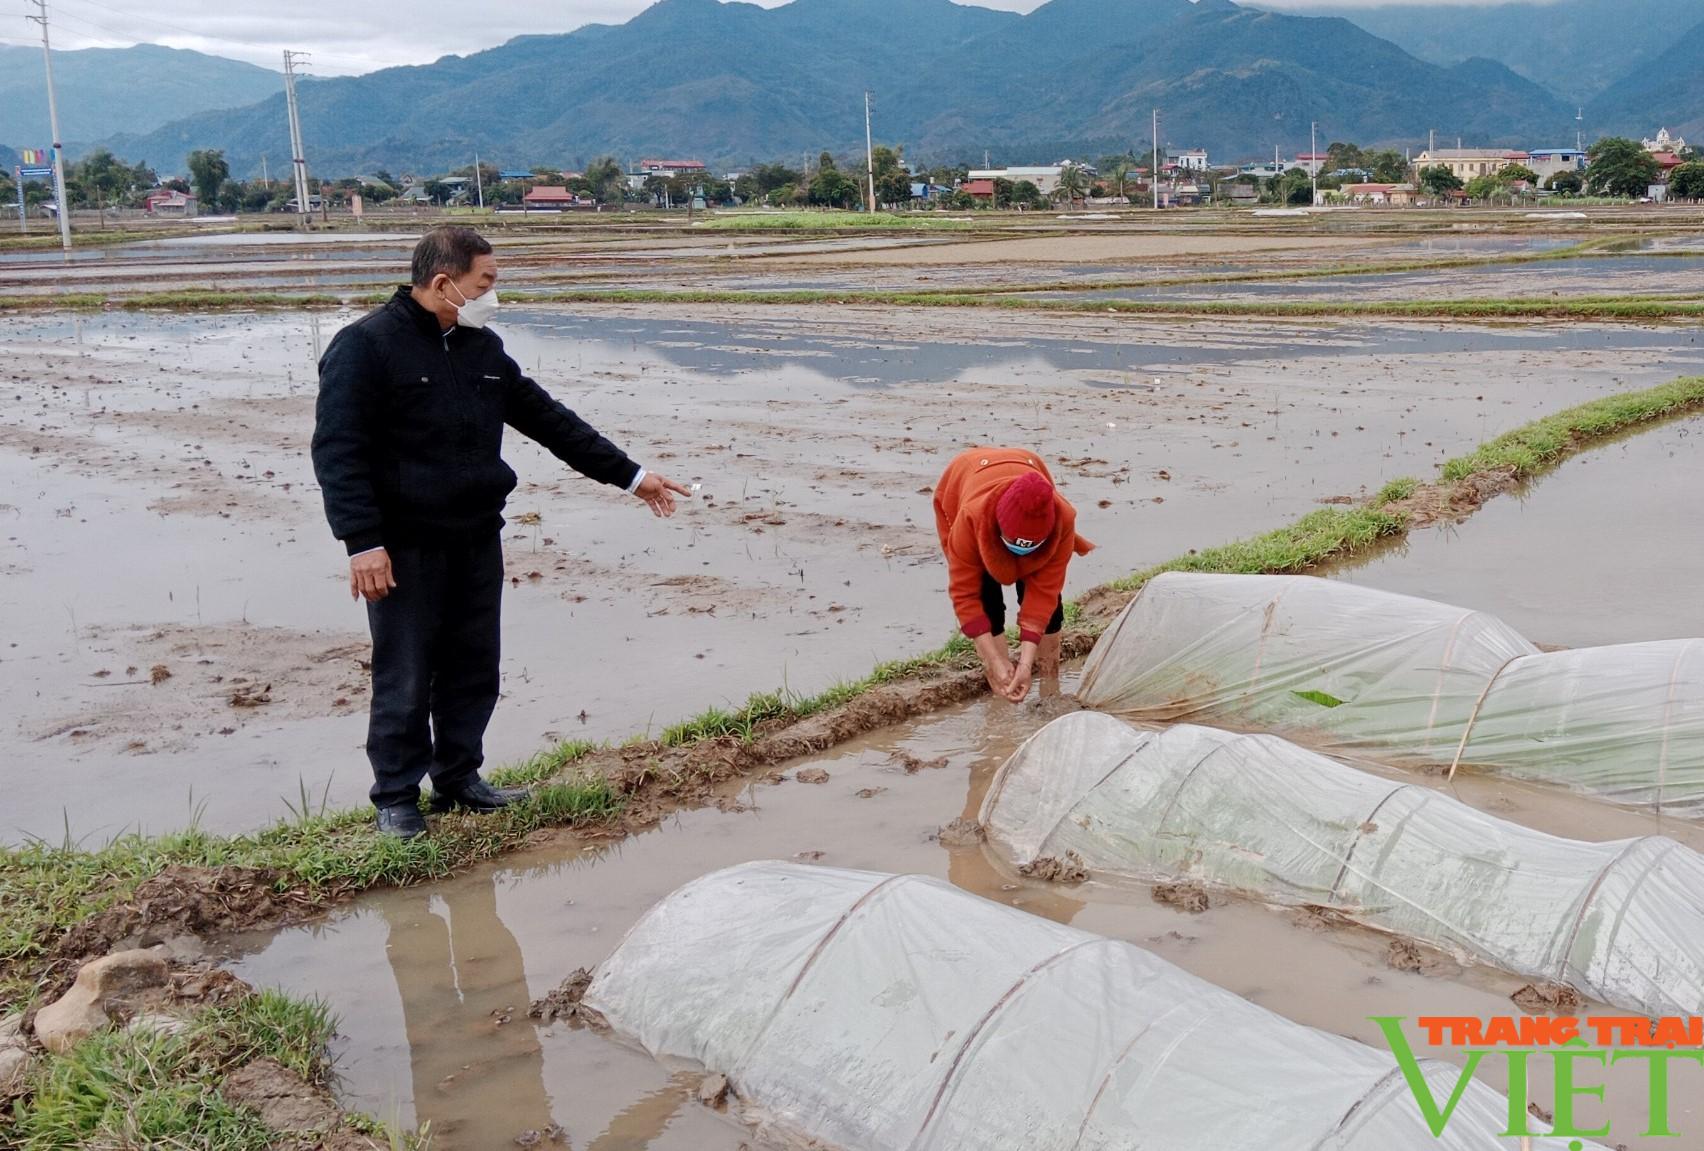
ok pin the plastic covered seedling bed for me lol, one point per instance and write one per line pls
(895, 1013)
(1622, 921)
(1342, 667)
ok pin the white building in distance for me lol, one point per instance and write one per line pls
(1045, 177)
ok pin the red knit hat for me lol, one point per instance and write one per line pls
(1025, 510)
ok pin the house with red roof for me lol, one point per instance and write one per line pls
(171, 202)
(548, 197)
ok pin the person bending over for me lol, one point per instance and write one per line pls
(1002, 522)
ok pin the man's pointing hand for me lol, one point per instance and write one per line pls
(659, 492)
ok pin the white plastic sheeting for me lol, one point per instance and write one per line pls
(877, 1013)
(1342, 667)
(1622, 921)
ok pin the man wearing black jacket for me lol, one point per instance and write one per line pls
(408, 433)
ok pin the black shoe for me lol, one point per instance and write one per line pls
(402, 820)
(475, 795)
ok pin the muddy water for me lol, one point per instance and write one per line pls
(160, 512)
(1606, 549)
(431, 984)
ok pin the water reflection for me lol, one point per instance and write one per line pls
(462, 981)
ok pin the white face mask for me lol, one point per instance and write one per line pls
(477, 312)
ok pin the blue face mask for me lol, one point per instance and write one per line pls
(1021, 549)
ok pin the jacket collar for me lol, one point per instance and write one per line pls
(404, 302)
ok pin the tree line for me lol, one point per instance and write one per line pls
(1616, 167)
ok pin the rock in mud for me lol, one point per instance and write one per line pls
(811, 775)
(114, 985)
(14, 1069)
(1187, 897)
(1069, 870)
(1547, 999)
(713, 1091)
(961, 832)
(285, 1101)
(564, 1002)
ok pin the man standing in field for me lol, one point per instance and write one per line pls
(407, 445)
(1001, 521)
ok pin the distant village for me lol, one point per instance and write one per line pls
(1187, 177)
(1655, 169)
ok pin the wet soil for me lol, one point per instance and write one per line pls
(160, 512)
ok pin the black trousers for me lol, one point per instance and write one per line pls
(435, 680)
(994, 607)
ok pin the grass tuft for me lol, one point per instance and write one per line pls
(1395, 490)
(124, 1089)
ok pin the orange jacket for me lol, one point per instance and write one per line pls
(965, 499)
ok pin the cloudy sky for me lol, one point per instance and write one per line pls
(349, 37)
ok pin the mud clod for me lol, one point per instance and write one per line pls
(1548, 999)
(285, 1101)
(961, 832)
(251, 695)
(1404, 955)
(539, 1137)
(1414, 958)
(713, 1091)
(811, 775)
(1187, 897)
(912, 764)
(1069, 870)
(564, 1002)
(869, 792)
(1313, 917)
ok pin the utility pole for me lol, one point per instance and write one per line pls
(1154, 183)
(1313, 157)
(264, 177)
(53, 123)
(304, 211)
(478, 181)
(869, 152)
(1580, 130)
(1432, 142)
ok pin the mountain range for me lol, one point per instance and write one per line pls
(1576, 48)
(732, 83)
(106, 91)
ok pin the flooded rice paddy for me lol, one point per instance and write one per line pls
(161, 513)
(1606, 549)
